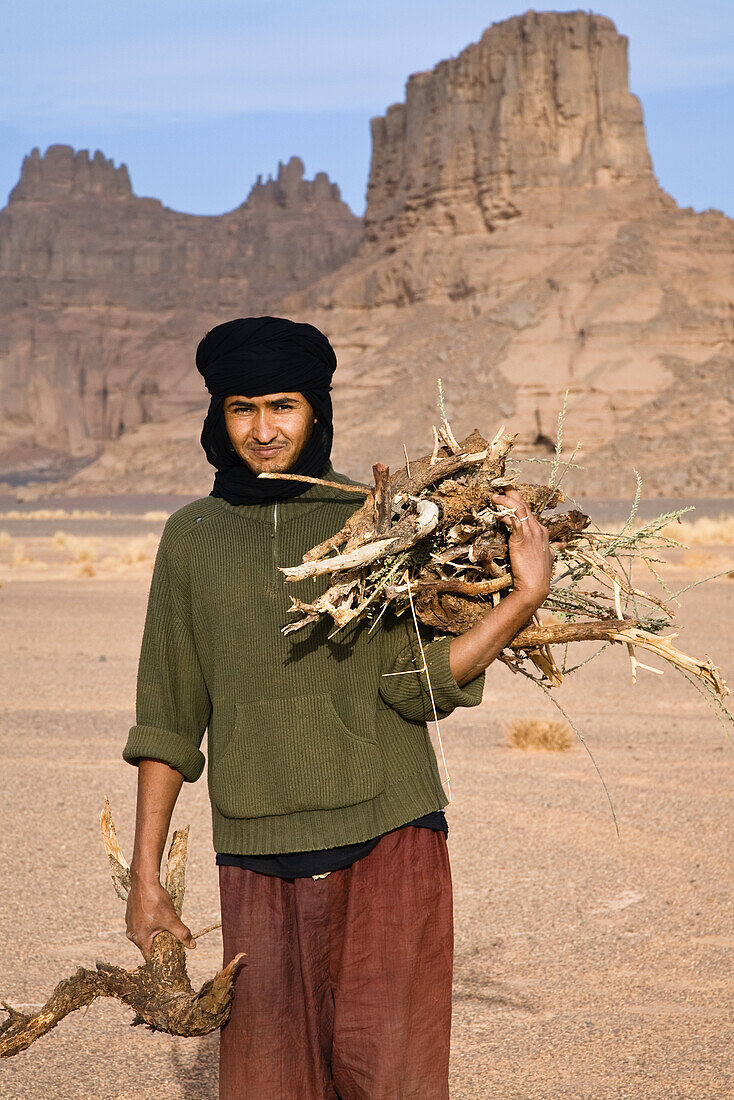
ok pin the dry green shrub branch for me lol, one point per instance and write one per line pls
(159, 991)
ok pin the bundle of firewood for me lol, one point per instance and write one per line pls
(428, 542)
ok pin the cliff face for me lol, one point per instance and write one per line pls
(540, 104)
(105, 294)
(517, 246)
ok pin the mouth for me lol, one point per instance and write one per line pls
(266, 452)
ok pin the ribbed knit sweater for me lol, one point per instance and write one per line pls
(310, 744)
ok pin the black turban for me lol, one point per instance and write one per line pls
(253, 356)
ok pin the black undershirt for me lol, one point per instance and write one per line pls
(291, 865)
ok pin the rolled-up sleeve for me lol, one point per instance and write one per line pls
(406, 689)
(173, 706)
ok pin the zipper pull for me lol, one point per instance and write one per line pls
(275, 519)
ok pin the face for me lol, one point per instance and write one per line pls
(269, 432)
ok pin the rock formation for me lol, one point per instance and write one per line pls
(105, 294)
(64, 174)
(518, 245)
(515, 244)
(541, 103)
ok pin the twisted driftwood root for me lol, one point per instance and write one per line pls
(159, 992)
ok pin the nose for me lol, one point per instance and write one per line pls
(264, 431)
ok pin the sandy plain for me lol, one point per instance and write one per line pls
(587, 967)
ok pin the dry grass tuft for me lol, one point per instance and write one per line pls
(703, 532)
(80, 550)
(82, 513)
(88, 556)
(137, 550)
(5, 538)
(131, 551)
(55, 513)
(21, 555)
(545, 734)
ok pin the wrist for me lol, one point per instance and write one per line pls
(526, 600)
(144, 873)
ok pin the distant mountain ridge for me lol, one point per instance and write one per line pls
(515, 243)
(103, 294)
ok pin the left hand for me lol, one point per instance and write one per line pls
(531, 556)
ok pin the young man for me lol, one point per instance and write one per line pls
(326, 799)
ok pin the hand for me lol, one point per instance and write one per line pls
(531, 556)
(150, 911)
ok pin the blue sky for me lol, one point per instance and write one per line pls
(198, 97)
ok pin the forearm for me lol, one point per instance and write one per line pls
(149, 907)
(158, 789)
(471, 653)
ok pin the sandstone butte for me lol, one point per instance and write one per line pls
(515, 243)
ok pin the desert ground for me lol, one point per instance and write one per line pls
(588, 967)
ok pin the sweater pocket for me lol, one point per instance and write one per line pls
(292, 754)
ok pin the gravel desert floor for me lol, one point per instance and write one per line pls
(587, 966)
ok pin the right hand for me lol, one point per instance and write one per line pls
(150, 911)
(531, 555)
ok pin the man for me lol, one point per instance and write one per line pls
(326, 798)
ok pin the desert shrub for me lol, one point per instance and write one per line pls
(21, 555)
(534, 732)
(81, 550)
(707, 531)
(137, 550)
(57, 513)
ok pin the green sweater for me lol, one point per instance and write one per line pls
(310, 745)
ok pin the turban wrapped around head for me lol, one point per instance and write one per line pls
(253, 356)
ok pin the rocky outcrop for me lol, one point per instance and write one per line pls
(518, 247)
(105, 294)
(540, 104)
(63, 173)
(290, 187)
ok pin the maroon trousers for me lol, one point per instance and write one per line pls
(346, 989)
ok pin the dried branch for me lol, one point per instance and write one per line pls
(119, 867)
(381, 498)
(559, 633)
(404, 535)
(458, 587)
(429, 537)
(706, 671)
(314, 481)
(159, 991)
